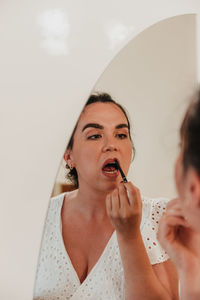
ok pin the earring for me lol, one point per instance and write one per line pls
(69, 166)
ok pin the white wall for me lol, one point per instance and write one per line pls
(45, 77)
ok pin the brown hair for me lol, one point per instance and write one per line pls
(190, 135)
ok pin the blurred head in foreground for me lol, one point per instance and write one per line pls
(187, 168)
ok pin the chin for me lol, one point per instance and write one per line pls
(107, 187)
(110, 186)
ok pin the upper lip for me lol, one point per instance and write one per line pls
(109, 161)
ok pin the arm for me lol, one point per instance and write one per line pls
(142, 281)
(182, 244)
(168, 277)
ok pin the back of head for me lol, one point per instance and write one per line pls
(190, 135)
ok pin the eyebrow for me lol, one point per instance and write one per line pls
(98, 126)
(124, 125)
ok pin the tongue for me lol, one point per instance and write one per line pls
(109, 168)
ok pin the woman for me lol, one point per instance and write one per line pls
(98, 242)
(179, 229)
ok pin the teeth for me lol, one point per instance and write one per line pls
(114, 171)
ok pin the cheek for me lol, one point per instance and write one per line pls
(127, 156)
(128, 151)
(86, 154)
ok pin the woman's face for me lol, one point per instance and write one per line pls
(101, 136)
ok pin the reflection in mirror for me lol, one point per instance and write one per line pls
(99, 240)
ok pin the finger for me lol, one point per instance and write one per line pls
(173, 203)
(170, 233)
(123, 197)
(175, 212)
(115, 203)
(133, 194)
(173, 208)
(170, 223)
(165, 234)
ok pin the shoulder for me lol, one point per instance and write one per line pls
(158, 201)
(153, 209)
(54, 209)
(56, 203)
(56, 199)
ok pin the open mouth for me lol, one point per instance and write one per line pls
(110, 167)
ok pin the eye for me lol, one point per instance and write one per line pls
(121, 136)
(94, 137)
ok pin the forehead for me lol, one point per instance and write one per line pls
(103, 114)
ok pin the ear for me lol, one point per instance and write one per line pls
(68, 157)
(194, 188)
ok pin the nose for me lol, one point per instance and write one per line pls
(110, 145)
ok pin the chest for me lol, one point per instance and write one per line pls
(85, 244)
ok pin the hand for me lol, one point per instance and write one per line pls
(124, 208)
(180, 241)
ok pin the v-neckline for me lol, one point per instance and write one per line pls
(68, 257)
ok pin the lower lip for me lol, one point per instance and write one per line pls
(111, 174)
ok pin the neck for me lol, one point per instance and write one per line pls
(91, 203)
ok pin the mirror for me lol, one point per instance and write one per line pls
(152, 77)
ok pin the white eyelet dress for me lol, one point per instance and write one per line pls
(56, 278)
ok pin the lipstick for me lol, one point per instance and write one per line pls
(121, 172)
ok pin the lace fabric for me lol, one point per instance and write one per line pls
(56, 278)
